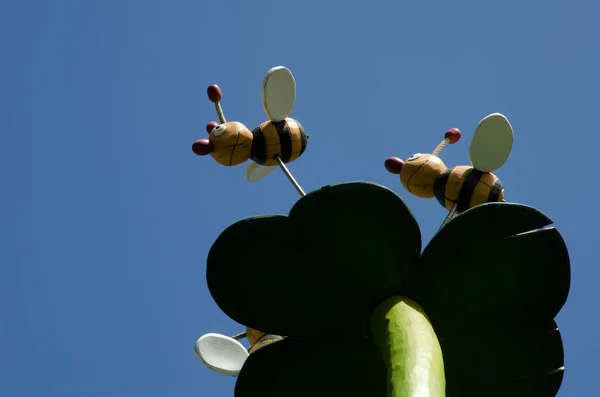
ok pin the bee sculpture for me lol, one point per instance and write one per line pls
(462, 187)
(226, 355)
(276, 142)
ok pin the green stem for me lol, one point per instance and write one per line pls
(409, 348)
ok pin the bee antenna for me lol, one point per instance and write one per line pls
(452, 136)
(240, 336)
(215, 95)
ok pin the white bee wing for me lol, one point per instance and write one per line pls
(492, 143)
(221, 353)
(255, 171)
(278, 93)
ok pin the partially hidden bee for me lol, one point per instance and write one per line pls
(276, 142)
(462, 187)
(226, 355)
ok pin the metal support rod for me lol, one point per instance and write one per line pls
(239, 336)
(289, 176)
(450, 215)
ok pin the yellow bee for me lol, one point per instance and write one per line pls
(275, 142)
(258, 339)
(226, 355)
(460, 188)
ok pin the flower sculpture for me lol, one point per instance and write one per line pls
(365, 313)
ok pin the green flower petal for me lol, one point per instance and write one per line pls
(323, 269)
(315, 368)
(542, 386)
(491, 294)
(476, 274)
(516, 364)
(505, 363)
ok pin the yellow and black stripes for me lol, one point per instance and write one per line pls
(286, 139)
(258, 339)
(468, 187)
(264, 340)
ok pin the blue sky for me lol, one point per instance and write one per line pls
(107, 215)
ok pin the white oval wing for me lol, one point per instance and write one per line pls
(492, 143)
(221, 353)
(278, 93)
(255, 171)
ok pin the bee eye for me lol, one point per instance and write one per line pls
(219, 130)
(414, 157)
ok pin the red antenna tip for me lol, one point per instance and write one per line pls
(214, 93)
(453, 135)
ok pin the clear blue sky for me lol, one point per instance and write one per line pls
(107, 215)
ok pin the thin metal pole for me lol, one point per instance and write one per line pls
(289, 175)
(450, 214)
(239, 336)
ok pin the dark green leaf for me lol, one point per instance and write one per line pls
(498, 280)
(507, 361)
(315, 368)
(322, 270)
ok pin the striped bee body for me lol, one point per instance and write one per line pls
(468, 187)
(286, 139)
(258, 339)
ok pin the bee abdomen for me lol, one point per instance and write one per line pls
(264, 340)
(468, 187)
(439, 187)
(286, 139)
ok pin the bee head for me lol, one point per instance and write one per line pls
(418, 173)
(231, 142)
